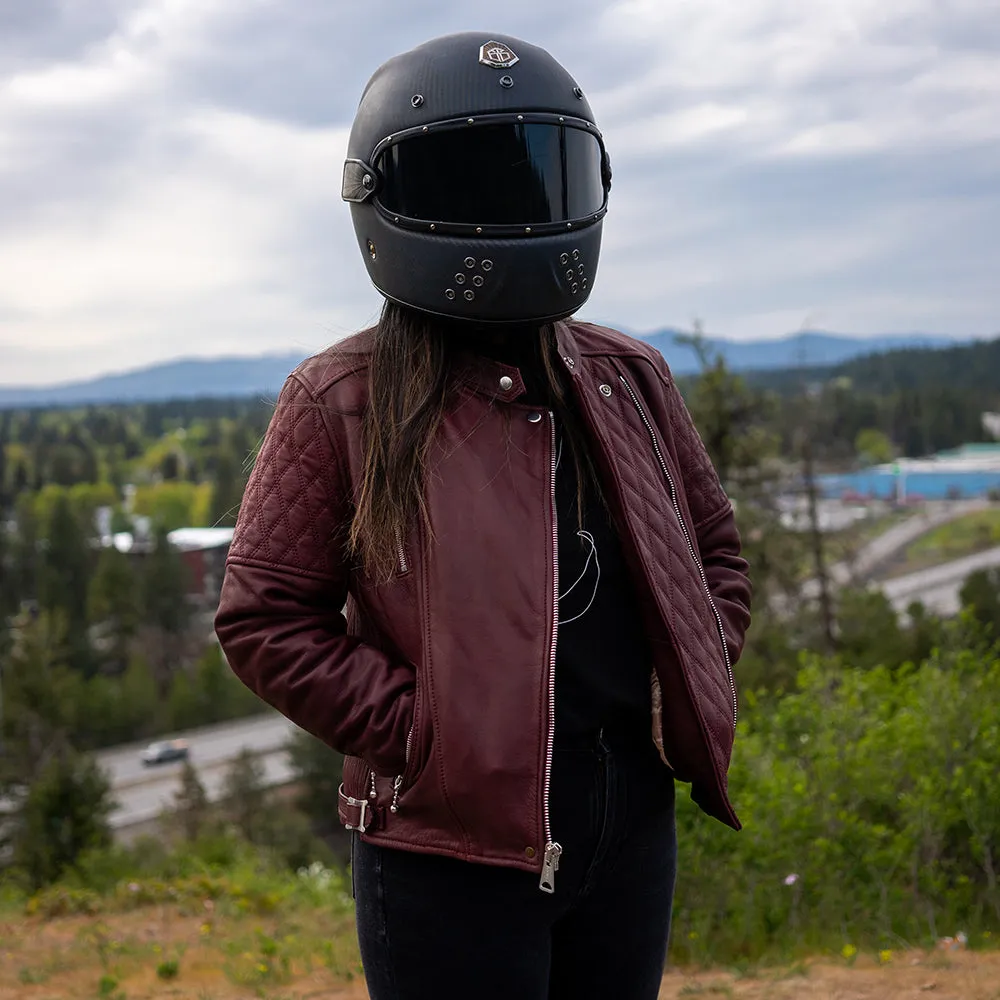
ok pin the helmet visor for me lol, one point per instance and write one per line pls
(497, 174)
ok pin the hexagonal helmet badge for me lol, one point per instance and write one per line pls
(497, 55)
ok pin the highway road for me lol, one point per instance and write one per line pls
(209, 745)
(142, 793)
(139, 803)
(938, 587)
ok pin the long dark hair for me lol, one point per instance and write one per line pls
(409, 387)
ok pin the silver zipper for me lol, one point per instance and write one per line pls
(397, 783)
(401, 552)
(553, 851)
(691, 548)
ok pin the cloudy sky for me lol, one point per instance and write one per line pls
(170, 169)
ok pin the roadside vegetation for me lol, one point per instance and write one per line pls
(962, 537)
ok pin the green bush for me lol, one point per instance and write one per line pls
(871, 812)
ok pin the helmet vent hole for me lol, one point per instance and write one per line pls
(506, 82)
(578, 93)
(416, 100)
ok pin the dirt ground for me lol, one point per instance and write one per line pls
(121, 957)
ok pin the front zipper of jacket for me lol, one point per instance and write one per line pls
(687, 536)
(553, 850)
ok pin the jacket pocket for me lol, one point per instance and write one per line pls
(414, 750)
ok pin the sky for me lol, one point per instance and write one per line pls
(170, 169)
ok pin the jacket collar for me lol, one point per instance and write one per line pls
(487, 377)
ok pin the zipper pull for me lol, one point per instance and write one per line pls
(396, 785)
(550, 865)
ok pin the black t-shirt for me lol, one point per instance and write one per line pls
(603, 662)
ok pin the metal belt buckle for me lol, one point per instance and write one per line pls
(363, 805)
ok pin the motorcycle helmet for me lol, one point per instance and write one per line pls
(478, 181)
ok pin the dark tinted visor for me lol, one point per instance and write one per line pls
(511, 174)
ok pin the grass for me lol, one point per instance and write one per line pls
(954, 540)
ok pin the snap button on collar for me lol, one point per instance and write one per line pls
(534, 418)
(605, 390)
(506, 383)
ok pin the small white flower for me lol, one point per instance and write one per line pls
(791, 879)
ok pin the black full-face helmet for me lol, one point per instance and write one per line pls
(478, 181)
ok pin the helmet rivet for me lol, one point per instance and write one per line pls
(469, 294)
(395, 218)
(569, 225)
(506, 82)
(470, 261)
(424, 129)
(561, 118)
(479, 229)
(449, 293)
(433, 227)
(367, 180)
(506, 383)
(578, 93)
(416, 100)
(520, 118)
(487, 265)
(470, 121)
(527, 229)
(371, 250)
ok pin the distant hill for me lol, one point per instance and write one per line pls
(263, 375)
(186, 379)
(809, 349)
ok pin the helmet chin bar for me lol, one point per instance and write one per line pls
(505, 281)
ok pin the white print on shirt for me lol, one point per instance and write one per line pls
(592, 557)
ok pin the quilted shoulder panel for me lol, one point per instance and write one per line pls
(294, 509)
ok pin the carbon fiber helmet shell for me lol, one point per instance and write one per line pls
(458, 87)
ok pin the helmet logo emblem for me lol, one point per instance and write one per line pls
(497, 55)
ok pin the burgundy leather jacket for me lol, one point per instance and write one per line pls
(438, 684)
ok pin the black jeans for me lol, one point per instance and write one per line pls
(439, 928)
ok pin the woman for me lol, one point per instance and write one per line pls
(544, 591)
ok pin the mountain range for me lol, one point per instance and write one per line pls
(192, 378)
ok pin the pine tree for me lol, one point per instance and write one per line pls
(64, 577)
(191, 806)
(113, 605)
(246, 797)
(165, 610)
(65, 813)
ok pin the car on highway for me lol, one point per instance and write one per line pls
(164, 751)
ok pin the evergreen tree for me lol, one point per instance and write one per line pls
(64, 577)
(227, 491)
(981, 593)
(246, 797)
(65, 813)
(191, 806)
(113, 606)
(38, 696)
(165, 610)
(318, 770)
